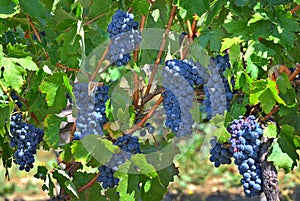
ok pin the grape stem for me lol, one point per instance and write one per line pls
(86, 186)
(34, 29)
(161, 49)
(295, 9)
(99, 64)
(58, 64)
(194, 26)
(142, 25)
(36, 33)
(189, 41)
(136, 90)
(146, 117)
(95, 18)
(151, 95)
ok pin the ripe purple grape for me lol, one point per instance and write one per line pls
(26, 138)
(125, 37)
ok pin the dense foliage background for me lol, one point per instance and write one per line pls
(48, 45)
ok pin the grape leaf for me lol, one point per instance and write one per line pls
(284, 153)
(229, 42)
(214, 11)
(283, 83)
(8, 8)
(266, 101)
(33, 7)
(93, 146)
(51, 129)
(71, 188)
(140, 7)
(56, 87)
(15, 70)
(5, 111)
(252, 68)
(270, 131)
(41, 173)
(80, 153)
(194, 7)
(49, 186)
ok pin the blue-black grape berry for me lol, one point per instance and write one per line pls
(129, 146)
(91, 116)
(125, 37)
(246, 144)
(215, 93)
(180, 77)
(220, 154)
(25, 138)
(222, 63)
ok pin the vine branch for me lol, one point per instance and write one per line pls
(146, 117)
(99, 64)
(295, 9)
(269, 173)
(88, 185)
(142, 25)
(136, 90)
(161, 49)
(34, 29)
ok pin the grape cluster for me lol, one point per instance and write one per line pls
(220, 154)
(222, 63)
(245, 142)
(194, 73)
(216, 101)
(125, 37)
(91, 115)
(25, 137)
(178, 97)
(129, 146)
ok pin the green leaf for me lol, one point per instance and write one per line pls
(8, 8)
(41, 173)
(284, 153)
(266, 101)
(270, 131)
(252, 68)
(5, 111)
(80, 153)
(195, 7)
(26, 63)
(93, 146)
(15, 70)
(142, 165)
(220, 130)
(140, 7)
(283, 83)
(71, 188)
(214, 11)
(229, 42)
(52, 126)
(55, 87)
(33, 7)
(243, 81)
(49, 186)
